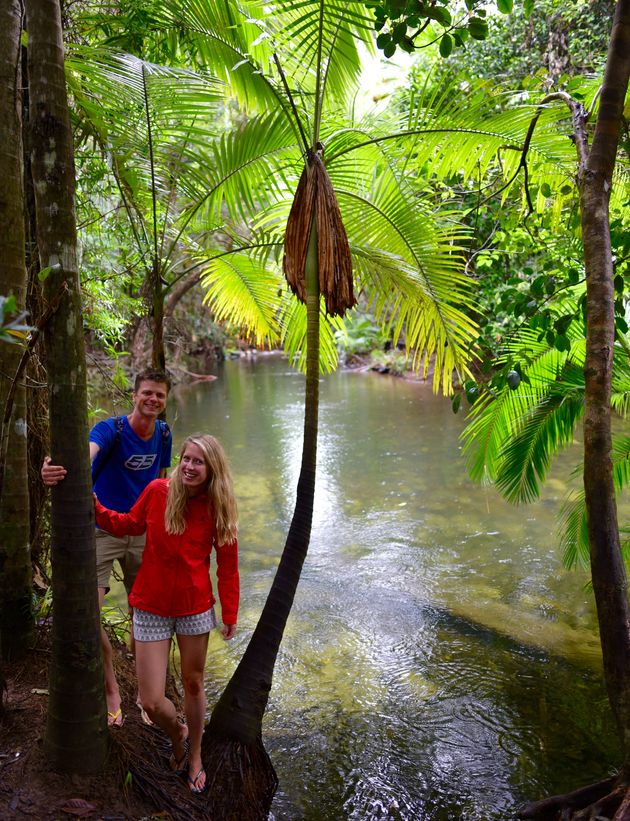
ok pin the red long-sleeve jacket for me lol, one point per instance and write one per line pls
(174, 579)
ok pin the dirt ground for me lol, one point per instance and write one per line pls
(135, 784)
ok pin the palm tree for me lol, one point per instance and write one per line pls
(16, 617)
(76, 736)
(150, 122)
(408, 260)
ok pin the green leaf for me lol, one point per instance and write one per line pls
(562, 323)
(478, 28)
(446, 45)
(505, 6)
(528, 7)
(545, 190)
(562, 343)
(399, 31)
(538, 286)
(456, 401)
(406, 44)
(441, 15)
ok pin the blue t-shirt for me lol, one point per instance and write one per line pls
(130, 463)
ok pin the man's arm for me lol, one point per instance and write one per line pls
(52, 474)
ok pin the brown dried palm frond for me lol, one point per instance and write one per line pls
(315, 197)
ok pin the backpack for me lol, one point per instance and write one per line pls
(119, 423)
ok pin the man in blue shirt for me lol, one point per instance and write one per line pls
(127, 452)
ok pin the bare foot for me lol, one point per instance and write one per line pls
(179, 756)
(115, 719)
(114, 712)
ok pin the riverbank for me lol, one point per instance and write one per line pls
(135, 783)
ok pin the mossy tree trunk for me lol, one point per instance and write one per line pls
(76, 735)
(16, 616)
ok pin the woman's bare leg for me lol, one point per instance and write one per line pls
(151, 667)
(193, 651)
(112, 693)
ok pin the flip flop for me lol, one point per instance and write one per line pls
(192, 783)
(179, 767)
(115, 719)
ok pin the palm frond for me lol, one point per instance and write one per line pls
(244, 169)
(244, 294)
(525, 460)
(318, 45)
(229, 39)
(573, 526)
(495, 419)
(573, 529)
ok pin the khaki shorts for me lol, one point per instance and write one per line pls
(128, 552)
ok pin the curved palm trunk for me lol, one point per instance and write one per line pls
(233, 736)
(76, 736)
(16, 617)
(607, 568)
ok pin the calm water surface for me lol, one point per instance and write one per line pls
(438, 663)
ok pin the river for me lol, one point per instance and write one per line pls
(439, 663)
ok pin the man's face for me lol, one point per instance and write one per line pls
(150, 398)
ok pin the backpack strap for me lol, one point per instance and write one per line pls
(119, 422)
(166, 436)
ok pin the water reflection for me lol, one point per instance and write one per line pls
(438, 663)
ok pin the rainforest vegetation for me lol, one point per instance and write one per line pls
(424, 187)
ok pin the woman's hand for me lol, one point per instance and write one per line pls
(228, 631)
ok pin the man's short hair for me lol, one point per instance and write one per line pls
(152, 375)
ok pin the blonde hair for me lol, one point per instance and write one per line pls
(221, 501)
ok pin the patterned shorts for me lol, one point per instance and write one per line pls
(151, 627)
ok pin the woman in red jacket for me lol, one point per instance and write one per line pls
(184, 517)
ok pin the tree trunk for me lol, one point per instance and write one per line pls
(16, 616)
(242, 781)
(76, 736)
(158, 355)
(607, 568)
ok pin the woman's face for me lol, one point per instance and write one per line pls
(193, 469)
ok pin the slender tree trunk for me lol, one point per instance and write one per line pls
(16, 617)
(241, 776)
(607, 568)
(76, 736)
(158, 356)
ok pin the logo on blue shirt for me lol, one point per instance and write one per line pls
(140, 461)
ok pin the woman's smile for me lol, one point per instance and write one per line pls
(193, 468)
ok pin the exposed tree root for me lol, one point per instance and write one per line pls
(241, 780)
(144, 753)
(607, 800)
